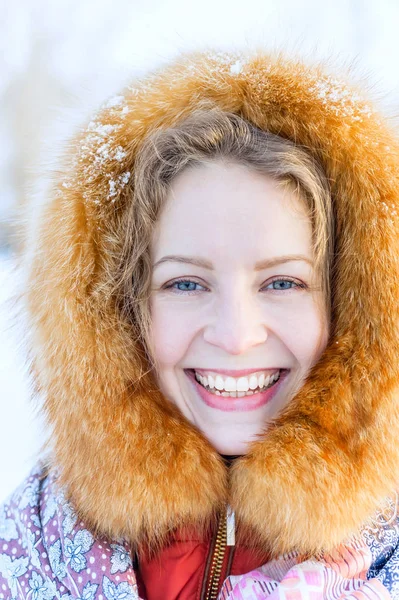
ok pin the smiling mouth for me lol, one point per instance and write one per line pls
(238, 394)
(237, 401)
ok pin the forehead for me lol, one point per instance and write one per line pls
(227, 211)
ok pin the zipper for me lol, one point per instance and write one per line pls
(221, 544)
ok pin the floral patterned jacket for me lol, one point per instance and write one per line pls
(46, 553)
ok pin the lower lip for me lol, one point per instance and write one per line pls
(244, 403)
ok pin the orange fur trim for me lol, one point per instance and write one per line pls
(132, 465)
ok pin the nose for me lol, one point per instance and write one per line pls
(237, 327)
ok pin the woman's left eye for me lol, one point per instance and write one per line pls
(285, 284)
(188, 286)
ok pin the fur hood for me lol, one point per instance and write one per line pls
(131, 465)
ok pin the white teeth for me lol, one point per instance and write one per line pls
(235, 394)
(230, 384)
(253, 382)
(242, 384)
(219, 383)
(237, 387)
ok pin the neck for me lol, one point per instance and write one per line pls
(229, 459)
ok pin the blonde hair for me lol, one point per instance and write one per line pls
(211, 134)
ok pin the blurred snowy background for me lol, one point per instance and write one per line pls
(60, 59)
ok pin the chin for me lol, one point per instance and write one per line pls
(229, 448)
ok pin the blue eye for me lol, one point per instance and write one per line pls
(186, 286)
(183, 282)
(284, 284)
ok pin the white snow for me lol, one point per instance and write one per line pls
(340, 99)
(115, 101)
(116, 185)
(236, 68)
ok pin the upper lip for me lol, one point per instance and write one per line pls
(237, 373)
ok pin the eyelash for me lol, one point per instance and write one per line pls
(298, 285)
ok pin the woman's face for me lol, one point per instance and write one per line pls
(235, 298)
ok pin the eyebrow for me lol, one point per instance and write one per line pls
(259, 266)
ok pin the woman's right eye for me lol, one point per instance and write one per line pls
(187, 286)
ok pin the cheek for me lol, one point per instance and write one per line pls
(307, 335)
(171, 335)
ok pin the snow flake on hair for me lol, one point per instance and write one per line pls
(223, 58)
(101, 153)
(115, 101)
(233, 63)
(117, 104)
(341, 100)
(100, 145)
(117, 184)
(236, 68)
(389, 213)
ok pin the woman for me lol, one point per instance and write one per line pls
(226, 226)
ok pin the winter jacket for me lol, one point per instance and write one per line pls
(48, 552)
(124, 480)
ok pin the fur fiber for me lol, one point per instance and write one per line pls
(135, 468)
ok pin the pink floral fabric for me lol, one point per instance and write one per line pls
(338, 576)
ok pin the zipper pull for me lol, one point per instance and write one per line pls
(230, 527)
